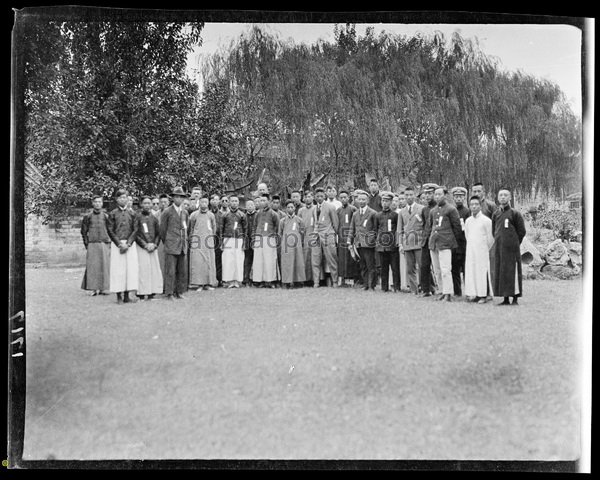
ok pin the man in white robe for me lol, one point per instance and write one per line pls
(478, 232)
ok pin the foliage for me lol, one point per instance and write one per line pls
(564, 224)
(109, 105)
(410, 109)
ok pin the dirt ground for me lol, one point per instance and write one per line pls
(301, 374)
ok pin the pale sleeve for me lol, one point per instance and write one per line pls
(489, 236)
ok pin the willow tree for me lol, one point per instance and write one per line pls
(407, 108)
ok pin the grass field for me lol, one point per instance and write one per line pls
(327, 373)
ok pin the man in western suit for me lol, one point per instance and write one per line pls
(174, 233)
(324, 242)
(410, 233)
(363, 236)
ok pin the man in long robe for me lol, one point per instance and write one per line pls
(296, 197)
(291, 235)
(203, 227)
(509, 230)
(347, 266)
(232, 231)
(215, 203)
(458, 253)
(248, 250)
(97, 243)
(265, 241)
(479, 237)
(122, 230)
(150, 279)
(324, 247)
(398, 203)
(306, 214)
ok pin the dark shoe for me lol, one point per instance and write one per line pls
(94, 293)
(119, 298)
(170, 298)
(504, 302)
(448, 297)
(515, 302)
(441, 297)
(179, 296)
(426, 294)
(150, 297)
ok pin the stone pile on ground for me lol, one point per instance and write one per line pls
(558, 259)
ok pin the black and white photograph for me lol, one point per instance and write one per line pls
(277, 236)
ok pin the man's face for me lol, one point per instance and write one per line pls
(264, 202)
(373, 187)
(296, 197)
(402, 200)
(320, 196)
(204, 204)
(129, 201)
(478, 191)
(97, 203)
(250, 206)
(394, 203)
(459, 199)
(122, 200)
(344, 198)
(186, 203)
(475, 207)
(438, 195)
(196, 194)
(155, 204)
(309, 198)
(386, 203)
(224, 202)
(427, 196)
(331, 193)
(290, 209)
(214, 202)
(503, 197)
(410, 197)
(262, 188)
(361, 200)
(275, 204)
(164, 203)
(234, 203)
(146, 204)
(177, 200)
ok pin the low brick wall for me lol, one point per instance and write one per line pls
(57, 243)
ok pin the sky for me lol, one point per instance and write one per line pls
(552, 52)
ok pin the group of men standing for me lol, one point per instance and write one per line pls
(319, 238)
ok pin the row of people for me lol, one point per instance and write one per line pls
(310, 240)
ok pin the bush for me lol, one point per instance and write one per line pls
(565, 224)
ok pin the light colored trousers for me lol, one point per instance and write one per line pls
(442, 267)
(232, 259)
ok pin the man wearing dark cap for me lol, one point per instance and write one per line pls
(425, 267)
(174, 234)
(459, 195)
(386, 226)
